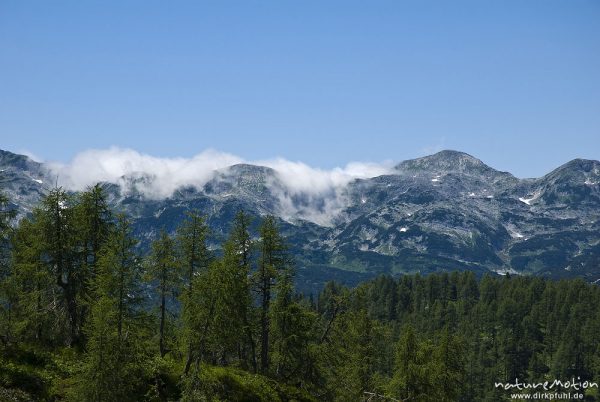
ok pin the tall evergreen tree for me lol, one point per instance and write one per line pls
(93, 220)
(163, 272)
(291, 329)
(56, 222)
(412, 379)
(194, 258)
(7, 288)
(113, 363)
(233, 318)
(273, 258)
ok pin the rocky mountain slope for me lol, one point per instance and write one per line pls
(446, 211)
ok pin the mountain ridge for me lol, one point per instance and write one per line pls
(444, 211)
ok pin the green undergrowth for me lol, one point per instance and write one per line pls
(230, 384)
(32, 374)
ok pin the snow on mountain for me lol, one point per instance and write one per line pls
(441, 212)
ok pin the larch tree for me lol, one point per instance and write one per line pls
(163, 272)
(273, 258)
(233, 316)
(193, 259)
(7, 288)
(57, 223)
(112, 365)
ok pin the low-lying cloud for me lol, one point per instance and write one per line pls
(320, 189)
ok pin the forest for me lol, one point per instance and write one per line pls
(86, 314)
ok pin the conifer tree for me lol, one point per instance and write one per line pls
(233, 315)
(412, 372)
(291, 325)
(164, 273)
(93, 220)
(6, 215)
(273, 258)
(193, 258)
(448, 367)
(113, 364)
(32, 287)
(57, 227)
(7, 289)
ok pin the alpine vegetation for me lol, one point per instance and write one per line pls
(86, 314)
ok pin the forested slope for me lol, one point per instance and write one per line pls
(85, 316)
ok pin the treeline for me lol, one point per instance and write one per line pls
(84, 316)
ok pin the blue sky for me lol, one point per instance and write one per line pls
(515, 83)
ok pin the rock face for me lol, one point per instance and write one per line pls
(441, 212)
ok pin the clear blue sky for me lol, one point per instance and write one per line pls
(515, 83)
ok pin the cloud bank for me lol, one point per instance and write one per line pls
(308, 193)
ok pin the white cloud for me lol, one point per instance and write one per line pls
(308, 193)
(116, 165)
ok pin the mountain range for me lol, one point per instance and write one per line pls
(443, 212)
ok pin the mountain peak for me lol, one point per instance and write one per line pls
(10, 159)
(576, 171)
(248, 169)
(447, 161)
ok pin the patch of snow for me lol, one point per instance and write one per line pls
(489, 196)
(590, 183)
(533, 197)
(363, 200)
(506, 271)
(514, 233)
(38, 181)
(435, 180)
(403, 229)
(471, 194)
